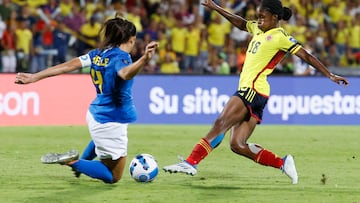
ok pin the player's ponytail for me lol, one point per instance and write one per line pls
(287, 13)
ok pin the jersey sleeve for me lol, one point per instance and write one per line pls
(123, 61)
(289, 44)
(252, 27)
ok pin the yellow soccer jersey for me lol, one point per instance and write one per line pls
(24, 38)
(354, 37)
(192, 42)
(264, 52)
(178, 39)
(217, 34)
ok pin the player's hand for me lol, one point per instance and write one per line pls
(208, 3)
(339, 80)
(24, 78)
(150, 50)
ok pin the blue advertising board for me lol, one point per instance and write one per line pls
(179, 99)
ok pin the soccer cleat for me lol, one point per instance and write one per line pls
(182, 167)
(289, 168)
(64, 158)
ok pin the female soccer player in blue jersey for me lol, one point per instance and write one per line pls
(112, 71)
(269, 44)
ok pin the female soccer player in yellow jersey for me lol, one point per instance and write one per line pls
(269, 45)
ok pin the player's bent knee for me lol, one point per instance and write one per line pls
(238, 148)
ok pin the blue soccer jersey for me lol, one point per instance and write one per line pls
(114, 101)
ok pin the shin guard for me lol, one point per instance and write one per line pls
(200, 151)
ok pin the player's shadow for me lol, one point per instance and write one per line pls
(218, 187)
(229, 183)
(77, 190)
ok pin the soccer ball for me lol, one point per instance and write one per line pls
(143, 168)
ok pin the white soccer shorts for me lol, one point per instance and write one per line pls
(110, 138)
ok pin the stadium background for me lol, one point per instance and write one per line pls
(58, 30)
(192, 39)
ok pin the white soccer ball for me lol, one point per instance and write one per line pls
(143, 168)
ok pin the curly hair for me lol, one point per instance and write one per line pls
(275, 7)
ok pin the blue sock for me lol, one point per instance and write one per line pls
(89, 152)
(95, 169)
(216, 142)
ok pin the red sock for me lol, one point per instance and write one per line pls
(267, 158)
(200, 151)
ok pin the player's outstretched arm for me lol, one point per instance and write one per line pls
(313, 61)
(130, 71)
(69, 66)
(236, 20)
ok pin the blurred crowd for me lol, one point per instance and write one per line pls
(36, 34)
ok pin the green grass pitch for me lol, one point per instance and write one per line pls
(327, 160)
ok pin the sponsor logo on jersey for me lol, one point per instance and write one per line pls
(293, 39)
